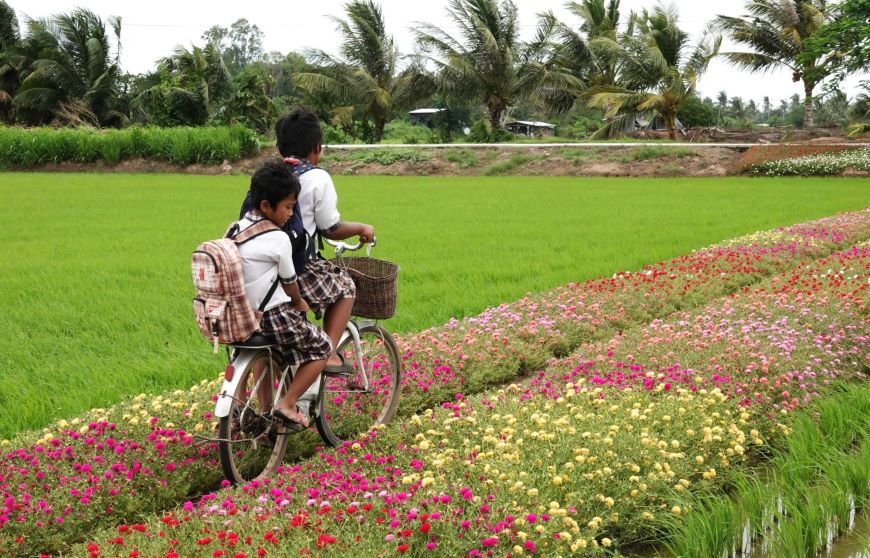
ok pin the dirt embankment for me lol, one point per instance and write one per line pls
(702, 152)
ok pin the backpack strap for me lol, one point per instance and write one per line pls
(300, 167)
(268, 296)
(259, 228)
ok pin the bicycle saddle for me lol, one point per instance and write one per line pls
(257, 340)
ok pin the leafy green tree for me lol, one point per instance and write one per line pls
(697, 112)
(74, 76)
(366, 74)
(187, 88)
(487, 60)
(845, 40)
(659, 70)
(241, 44)
(778, 32)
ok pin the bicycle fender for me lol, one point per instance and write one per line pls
(222, 407)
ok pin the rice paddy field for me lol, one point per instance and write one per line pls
(95, 285)
(687, 375)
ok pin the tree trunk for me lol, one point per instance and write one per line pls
(379, 129)
(671, 121)
(808, 105)
(495, 110)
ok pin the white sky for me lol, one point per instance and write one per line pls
(151, 29)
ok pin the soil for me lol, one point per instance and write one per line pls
(544, 160)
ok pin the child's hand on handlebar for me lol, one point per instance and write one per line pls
(367, 234)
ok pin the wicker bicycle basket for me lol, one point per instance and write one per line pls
(376, 285)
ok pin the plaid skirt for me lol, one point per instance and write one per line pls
(300, 340)
(323, 283)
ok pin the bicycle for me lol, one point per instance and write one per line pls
(252, 442)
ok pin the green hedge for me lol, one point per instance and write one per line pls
(29, 147)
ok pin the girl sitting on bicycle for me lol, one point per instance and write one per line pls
(267, 258)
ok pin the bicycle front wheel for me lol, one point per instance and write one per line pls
(252, 443)
(354, 403)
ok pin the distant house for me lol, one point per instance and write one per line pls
(531, 129)
(424, 115)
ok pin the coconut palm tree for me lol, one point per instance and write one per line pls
(575, 47)
(487, 61)
(658, 70)
(366, 74)
(777, 31)
(11, 62)
(74, 76)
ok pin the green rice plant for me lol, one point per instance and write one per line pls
(711, 527)
(26, 148)
(505, 167)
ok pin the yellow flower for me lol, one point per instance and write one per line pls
(605, 542)
(676, 510)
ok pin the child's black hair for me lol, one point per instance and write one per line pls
(298, 133)
(273, 182)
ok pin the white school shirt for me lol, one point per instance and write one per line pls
(318, 202)
(264, 258)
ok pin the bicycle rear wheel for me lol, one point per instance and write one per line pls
(354, 403)
(252, 443)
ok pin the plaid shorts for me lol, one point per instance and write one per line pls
(300, 340)
(323, 283)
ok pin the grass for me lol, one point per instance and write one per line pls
(505, 167)
(96, 289)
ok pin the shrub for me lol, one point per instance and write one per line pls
(402, 131)
(387, 157)
(334, 135)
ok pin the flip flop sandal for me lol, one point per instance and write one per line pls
(344, 369)
(296, 422)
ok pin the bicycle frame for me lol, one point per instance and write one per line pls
(246, 355)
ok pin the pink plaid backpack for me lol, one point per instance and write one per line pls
(223, 313)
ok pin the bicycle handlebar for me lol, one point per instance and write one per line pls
(344, 246)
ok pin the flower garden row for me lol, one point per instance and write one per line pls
(600, 449)
(119, 464)
(832, 163)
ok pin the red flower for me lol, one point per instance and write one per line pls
(324, 540)
(204, 541)
(424, 528)
(402, 548)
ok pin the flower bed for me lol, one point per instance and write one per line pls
(816, 165)
(596, 451)
(143, 456)
(761, 154)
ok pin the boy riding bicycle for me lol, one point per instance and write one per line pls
(267, 258)
(326, 287)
